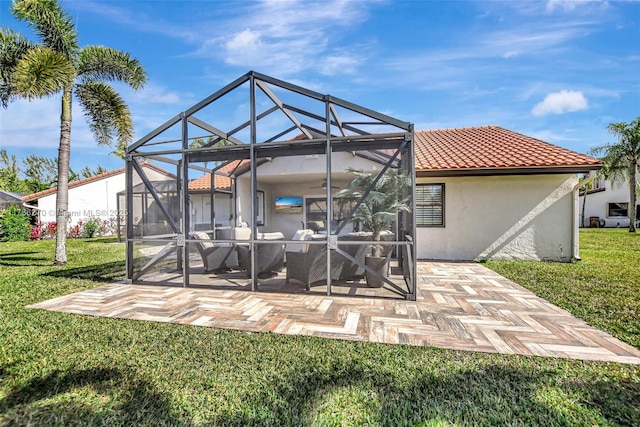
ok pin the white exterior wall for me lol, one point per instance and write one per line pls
(597, 204)
(94, 199)
(201, 209)
(503, 217)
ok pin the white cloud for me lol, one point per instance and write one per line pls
(566, 5)
(153, 94)
(565, 101)
(246, 40)
(286, 37)
(36, 124)
(339, 64)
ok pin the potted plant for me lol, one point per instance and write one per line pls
(386, 197)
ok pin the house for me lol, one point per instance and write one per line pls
(92, 197)
(200, 201)
(606, 204)
(479, 193)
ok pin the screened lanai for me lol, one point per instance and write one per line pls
(278, 188)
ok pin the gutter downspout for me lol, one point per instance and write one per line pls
(575, 251)
(24, 204)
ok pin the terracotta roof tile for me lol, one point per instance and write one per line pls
(222, 182)
(490, 147)
(204, 182)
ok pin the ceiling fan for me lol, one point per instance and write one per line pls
(324, 185)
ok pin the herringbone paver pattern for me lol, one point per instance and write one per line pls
(462, 306)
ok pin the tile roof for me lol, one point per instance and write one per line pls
(491, 148)
(221, 183)
(39, 194)
(204, 183)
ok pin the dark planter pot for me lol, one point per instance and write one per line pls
(378, 264)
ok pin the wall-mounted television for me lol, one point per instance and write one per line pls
(289, 205)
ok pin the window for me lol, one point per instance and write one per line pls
(621, 209)
(618, 209)
(316, 210)
(430, 205)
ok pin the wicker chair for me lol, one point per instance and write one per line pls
(310, 266)
(269, 256)
(220, 256)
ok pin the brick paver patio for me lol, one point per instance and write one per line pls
(461, 306)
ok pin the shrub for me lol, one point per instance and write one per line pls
(49, 230)
(37, 231)
(14, 224)
(110, 226)
(74, 231)
(91, 228)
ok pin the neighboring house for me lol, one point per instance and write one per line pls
(606, 204)
(491, 193)
(93, 197)
(7, 198)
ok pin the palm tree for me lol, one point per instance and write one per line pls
(622, 159)
(386, 197)
(58, 66)
(210, 142)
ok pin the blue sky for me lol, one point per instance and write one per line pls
(556, 70)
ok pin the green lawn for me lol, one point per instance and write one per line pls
(603, 288)
(64, 369)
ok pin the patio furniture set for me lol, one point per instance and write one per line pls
(305, 262)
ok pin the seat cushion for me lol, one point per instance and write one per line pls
(205, 240)
(302, 234)
(242, 233)
(275, 235)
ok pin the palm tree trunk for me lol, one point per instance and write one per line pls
(633, 194)
(62, 194)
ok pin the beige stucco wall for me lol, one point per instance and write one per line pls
(502, 217)
(297, 176)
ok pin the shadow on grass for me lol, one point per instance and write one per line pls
(343, 393)
(53, 400)
(108, 272)
(495, 395)
(23, 259)
(102, 240)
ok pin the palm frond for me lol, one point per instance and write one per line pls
(386, 196)
(51, 23)
(41, 72)
(104, 63)
(107, 113)
(12, 46)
